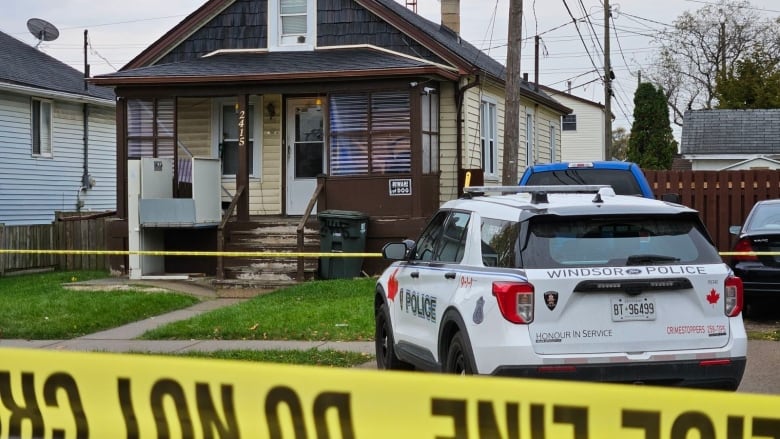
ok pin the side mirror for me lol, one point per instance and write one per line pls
(395, 251)
(734, 230)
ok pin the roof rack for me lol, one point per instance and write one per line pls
(550, 189)
(539, 193)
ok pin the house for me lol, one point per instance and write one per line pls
(582, 130)
(307, 106)
(57, 138)
(731, 140)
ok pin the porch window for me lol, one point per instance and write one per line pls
(150, 130)
(228, 142)
(430, 132)
(489, 143)
(41, 127)
(291, 24)
(370, 133)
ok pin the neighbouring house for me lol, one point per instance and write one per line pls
(282, 109)
(57, 138)
(582, 130)
(731, 140)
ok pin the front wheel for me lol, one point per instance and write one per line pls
(384, 342)
(458, 360)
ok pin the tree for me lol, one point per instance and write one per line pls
(651, 145)
(619, 144)
(703, 43)
(752, 83)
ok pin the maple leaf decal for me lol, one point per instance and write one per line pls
(392, 286)
(713, 297)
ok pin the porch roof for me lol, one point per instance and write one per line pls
(260, 65)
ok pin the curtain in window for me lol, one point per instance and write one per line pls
(370, 133)
(293, 17)
(150, 128)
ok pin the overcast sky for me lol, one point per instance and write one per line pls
(119, 30)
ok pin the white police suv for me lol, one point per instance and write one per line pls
(568, 282)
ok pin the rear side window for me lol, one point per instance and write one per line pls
(616, 241)
(622, 181)
(499, 243)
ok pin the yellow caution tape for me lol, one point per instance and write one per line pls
(45, 394)
(334, 254)
(197, 253)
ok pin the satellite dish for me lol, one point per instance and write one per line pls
(42, 30)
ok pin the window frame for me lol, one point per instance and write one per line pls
(160, 132)
(38, 148)
(359, 145)
(277, 41)
(255, 140)
(569, 122)
(489, 158)
(430, 124)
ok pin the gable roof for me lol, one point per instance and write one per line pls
(441, 41)
(22, 65)
(731, 132)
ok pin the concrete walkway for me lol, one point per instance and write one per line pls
(122, 339)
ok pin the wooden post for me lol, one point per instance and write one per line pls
(242, 174)
(512, 112)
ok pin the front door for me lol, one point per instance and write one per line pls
(305, 152)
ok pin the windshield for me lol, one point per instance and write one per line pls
(616, 241)
(622, 181)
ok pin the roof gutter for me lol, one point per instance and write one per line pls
(72, 97)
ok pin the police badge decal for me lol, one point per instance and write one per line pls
(551, 299)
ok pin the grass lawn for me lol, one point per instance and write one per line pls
(37, 307)
(340, 309)
(764, 335)
(311, 357)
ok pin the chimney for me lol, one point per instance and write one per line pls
(450, 14)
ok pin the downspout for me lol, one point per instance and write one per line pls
(86, 182)
(459, 96)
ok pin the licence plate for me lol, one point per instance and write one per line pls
(632, 308)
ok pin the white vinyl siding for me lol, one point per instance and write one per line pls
(34, 189)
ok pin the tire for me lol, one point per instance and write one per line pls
(384, 343)
(458, 359)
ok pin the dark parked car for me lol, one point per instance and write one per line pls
(760, 272)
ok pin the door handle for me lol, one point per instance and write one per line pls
(414, 274)
(450, 275)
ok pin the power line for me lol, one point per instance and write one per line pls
(580, 34)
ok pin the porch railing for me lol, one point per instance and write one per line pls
(221, 231)
(302, 226)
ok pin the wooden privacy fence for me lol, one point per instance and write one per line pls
(67, 233)
(723, 198)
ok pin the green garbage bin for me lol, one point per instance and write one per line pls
(342, 231)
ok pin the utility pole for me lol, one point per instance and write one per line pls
(607, 85)
(509, 174)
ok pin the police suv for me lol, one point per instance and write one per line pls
(568, 282)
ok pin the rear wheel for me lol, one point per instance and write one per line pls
(384, 342)
(458, 359)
